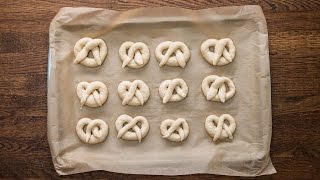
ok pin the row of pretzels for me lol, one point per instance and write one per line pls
(96, 131)
(137, 54)
(136, 93)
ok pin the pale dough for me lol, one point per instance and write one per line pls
(132, 129)
(134, 55)
(92, 131)
(134, 93)
(173, 90)
(218, 129)
(174, 130)
(92, 94)
(224, 51)
(217, 88)
(177, 54)
(82, 48)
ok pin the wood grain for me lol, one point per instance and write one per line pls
(294, 41)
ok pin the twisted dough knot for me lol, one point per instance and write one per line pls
(178, 129)
(217, 129)
(173, 90)
(133, 93)
(138, 54)
(92, 131)
(224, 51)
(135, 129)
(84, 46)
(177, 54)
(92, 94)
(217, 91)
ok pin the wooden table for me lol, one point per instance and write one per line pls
(294, 41)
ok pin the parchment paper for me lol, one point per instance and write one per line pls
(246, 155)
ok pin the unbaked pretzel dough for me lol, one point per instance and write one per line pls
(133, 93)
(173, 90)
(82, 48)
(177, 54)
(218, 129)
(215, 88)
(224, 51)
(92, 131)
(92, 94)
(132, 129)
(174, 130)
(134, 55)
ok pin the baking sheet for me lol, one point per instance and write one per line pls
(246, 155)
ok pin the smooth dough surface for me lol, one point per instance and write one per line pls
(134, 55)
(217, 88)
(92, 131)
(218, 129)
(82, 48)
(132, 129)
(92, 94)
(175, 130)
(173, 90)
(134, 93)
(177, 54)
(224, 51)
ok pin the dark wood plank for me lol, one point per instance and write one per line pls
(294, 37)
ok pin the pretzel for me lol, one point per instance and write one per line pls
(224, 51)
(132, 129)
(174, 130)
(173, 90)
(215, 88)
(133, 93)
(218, 129)
(92, 131)
(134, 55)
(92, 94)
(177, 54)
(82, 48)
